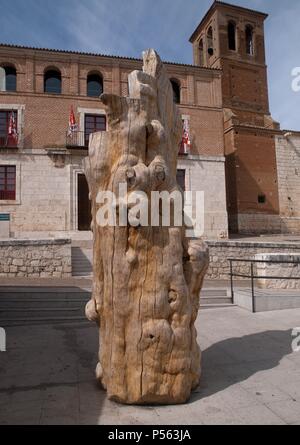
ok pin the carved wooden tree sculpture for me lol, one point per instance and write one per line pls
(147, 280)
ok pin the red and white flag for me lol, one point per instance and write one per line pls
(186, 142)
(12, 127)
(72, 123)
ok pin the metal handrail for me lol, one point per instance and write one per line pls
(255, 277)
(240, 260)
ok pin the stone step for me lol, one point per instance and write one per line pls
(48, 308)
(211, 292)
(216, 306)
(31, 321)
(39, 301)
(82, 259)
(214, 300)
(22, 304)
(212, 297)
(40, 304)
(51, 313)
(82, 273)
(75, 293)
(57, 296)
(43, 293)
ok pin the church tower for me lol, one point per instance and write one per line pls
(231, 38)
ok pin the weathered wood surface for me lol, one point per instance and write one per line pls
(147, 280)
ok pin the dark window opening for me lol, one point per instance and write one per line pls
(94, 85)
(232, 36)
(201, 53)
(7, 182)
(210, 42)
(176, 90)
(249, 40)
(10, 79)
(52, 82)
(262, 199)
(92, 124)
(181, 179)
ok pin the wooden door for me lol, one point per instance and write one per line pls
(84, 204)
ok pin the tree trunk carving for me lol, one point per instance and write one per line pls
(147, 280)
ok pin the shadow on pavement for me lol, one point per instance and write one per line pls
(235, 360)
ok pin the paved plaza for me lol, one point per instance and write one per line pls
(250, 375)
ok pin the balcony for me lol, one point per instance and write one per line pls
(183, 150)
(77, 140)
(7, 141)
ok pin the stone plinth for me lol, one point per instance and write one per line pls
(279, 269)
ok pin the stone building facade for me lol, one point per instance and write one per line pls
(237, 154)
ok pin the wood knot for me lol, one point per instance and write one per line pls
(131, 177)
(149, 129)
(131, 256)
(159, 173)
(172, 297)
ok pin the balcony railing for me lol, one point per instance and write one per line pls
(7, 141)
(77, 139)
(183, 150)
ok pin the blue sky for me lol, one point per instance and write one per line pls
(127, 27)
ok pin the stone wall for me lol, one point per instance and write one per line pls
(46, 194)
(221, 251)
(257, 223)
(207, 174)
(35, 259)
(288, 166)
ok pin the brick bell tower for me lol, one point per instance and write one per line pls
(231, 38)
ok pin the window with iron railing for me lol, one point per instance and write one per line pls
(92, 124)
(7, 182)
(8, 138)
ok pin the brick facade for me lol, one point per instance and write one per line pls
(47, 169)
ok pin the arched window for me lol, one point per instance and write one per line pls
(52, 81)
(249, 40)
(232, 36)
(94, 85)
(201, 53)
(210, 42)
(176, 90)
(8, 78)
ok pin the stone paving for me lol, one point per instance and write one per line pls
(250, 375)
